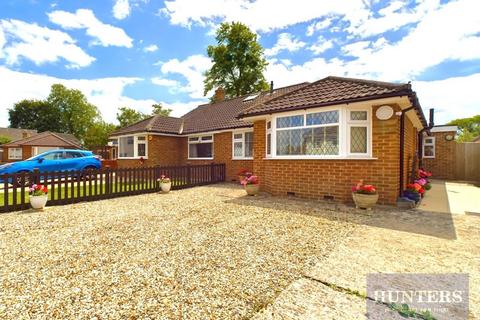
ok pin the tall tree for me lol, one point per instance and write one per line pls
(238, 61)
(77, 114)
(469, 128)
(36, 114)
(158, 109)
(97, 134)
(128, 116)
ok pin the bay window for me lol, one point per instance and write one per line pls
(132, 147)
(243, 145)
(358, 124)
(200, 147)
(340, 132)
(313, 134)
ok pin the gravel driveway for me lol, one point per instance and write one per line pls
(201, 253)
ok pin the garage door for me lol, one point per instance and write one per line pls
(38, 150)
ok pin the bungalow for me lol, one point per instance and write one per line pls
(32, 145)
(312, 140)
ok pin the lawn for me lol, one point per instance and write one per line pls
(66, 191)
(200, 253)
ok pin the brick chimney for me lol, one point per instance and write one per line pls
(219, 95)
(25, 134)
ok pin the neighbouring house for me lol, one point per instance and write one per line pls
(476, 140)
(439, 149)
(14, 134)
(30, 146)
(312, 140)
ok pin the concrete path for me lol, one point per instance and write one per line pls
(384, 242)
(452, 197)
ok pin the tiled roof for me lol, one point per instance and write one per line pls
(207, 117)
(16, 134)
(155, 123)
(47, 138)
(329, 91)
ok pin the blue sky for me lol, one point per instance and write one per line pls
(138, 52)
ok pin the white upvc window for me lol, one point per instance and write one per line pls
(15, 153)
(358, 128)
(200, 147)
(321, 133)
(242, 144)
(268, 144)
(429, 147)
(132, 147)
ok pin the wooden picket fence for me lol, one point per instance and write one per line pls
(67, 187)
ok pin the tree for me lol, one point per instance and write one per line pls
(128, 116)
(158, 109)
(77, 114)
(36, 114)
(238, 62)
(97, 134)
(469, 128)
(4, 140)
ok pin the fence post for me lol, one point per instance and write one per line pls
(157, 176)
(212, 173)
(107, 182)
(189, 176)
(36, 176)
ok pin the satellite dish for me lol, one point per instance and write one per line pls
(384, 112)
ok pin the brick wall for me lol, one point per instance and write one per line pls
(162, 151)
(411, 144)
(222, 153)
(443, 165)
(169, 151)
(319, 178)
(26, 153)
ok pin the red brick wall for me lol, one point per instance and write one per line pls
(166, 151)
(319, 178)
(443, 165)
(26, 153)
(162, 151)
(411, 138)
(222, 153)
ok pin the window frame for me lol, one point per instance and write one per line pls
(200, 140)
(361, 124)
(242, 140)
(430, 144)
(268, 132)
(135, 146)
(343, 132)
(10, 157)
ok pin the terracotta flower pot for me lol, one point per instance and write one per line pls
(252, 189)
(166, 186)
(365, 201)
(38, 202)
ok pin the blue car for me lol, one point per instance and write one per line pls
(55, 160)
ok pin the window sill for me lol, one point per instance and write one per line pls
(318, 158)
(250, 158)
(199, 158)
(132, 158)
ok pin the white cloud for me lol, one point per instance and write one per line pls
(192, 69)
(321, 46)
(103, 34)
(39, 44)
(105, 93)
(121, 9)
(285, 42)
(452, 98)
(151, 48)
(320, 25)
(393, 16)
(165, 82)
(261, 15)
